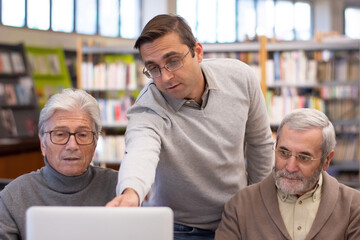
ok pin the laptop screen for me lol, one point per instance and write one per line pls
(96, 223)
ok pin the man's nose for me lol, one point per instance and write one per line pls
(292, 164)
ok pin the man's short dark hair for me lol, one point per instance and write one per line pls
(163, 24)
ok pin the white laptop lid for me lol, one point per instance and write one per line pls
(97, 223)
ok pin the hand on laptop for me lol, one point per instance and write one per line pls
(129, 198)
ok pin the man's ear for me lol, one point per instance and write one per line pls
(328, 160)
(43, 147)
(199, 52)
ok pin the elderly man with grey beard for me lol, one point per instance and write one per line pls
(299, 200)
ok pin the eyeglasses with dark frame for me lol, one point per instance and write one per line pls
(61, 137)
(300, 157)
(170, 66)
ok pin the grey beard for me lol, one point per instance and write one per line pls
(306, 183)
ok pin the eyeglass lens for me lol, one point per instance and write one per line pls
(170, 66)
(62, 137)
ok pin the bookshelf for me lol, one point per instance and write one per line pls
(325, 76)
(19, 111)
(113, 75)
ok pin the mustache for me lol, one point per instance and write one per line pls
(286, 174)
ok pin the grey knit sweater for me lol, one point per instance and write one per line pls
(47, 187)
(193, 159)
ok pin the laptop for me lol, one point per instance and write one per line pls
(97, 223)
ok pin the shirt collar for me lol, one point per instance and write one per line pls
(176, 104)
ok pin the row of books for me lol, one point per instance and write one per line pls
(341, 109)
(44, 64)
(11, 63)
(113, 111)
(337, 102)
(301, 67)
(336, 110)
(297, 67)
(112, 76)
(20, 93)
(280, 105)
(291, 68)
(325, 91)
(110, 149)
(8, 123)
(14, 123)
(340, 66)
(347, 148)
(339, 92)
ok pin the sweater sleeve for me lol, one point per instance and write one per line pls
(8, 227)
(142, 151)
(353, 231)
(258, 136)
(228, 228)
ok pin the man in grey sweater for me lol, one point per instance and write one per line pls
(69, 128)
(190, 131)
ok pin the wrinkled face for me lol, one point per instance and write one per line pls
(70, 159)
(293, 176)
(186, 82)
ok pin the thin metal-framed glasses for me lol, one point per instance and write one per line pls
(171, 66)
(300, 157)
(60, 137)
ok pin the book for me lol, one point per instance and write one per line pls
(10, 95)
(24, 90)
(5, 63)
(8, 122)
(54, 64)
(110, 149)
(17, 62)
(2, 94)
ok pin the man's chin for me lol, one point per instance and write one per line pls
(291, 187)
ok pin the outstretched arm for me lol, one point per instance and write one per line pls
(129, 198)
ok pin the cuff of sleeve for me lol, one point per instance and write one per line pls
(140, 190)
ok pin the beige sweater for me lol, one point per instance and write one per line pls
(254, 214)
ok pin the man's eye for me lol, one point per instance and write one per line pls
(304, 157)
(285, 153)
(173, 62)
(59, 134)
(151, 68)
